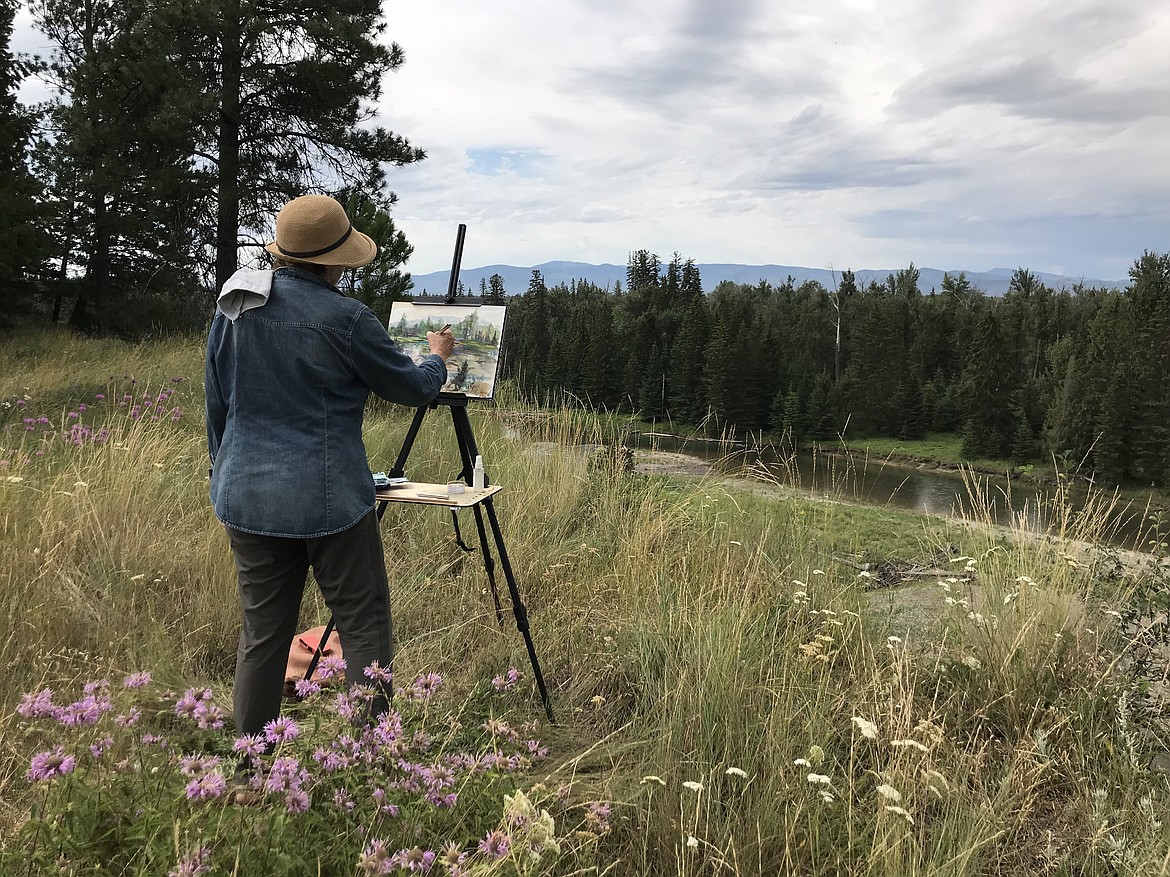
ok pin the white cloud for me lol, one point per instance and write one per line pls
(861, 133)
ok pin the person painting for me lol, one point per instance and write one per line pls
(290, 364)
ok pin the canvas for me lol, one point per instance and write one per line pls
(479, 335)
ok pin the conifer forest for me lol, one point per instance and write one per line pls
(1079, 376)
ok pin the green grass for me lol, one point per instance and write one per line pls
(709, 645)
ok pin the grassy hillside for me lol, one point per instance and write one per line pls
(735, 692)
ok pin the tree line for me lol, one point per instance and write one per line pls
(174, 133)
(1081, 375)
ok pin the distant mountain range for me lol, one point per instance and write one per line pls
(516, 278)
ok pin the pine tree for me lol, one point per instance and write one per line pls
(495, 294)
(379, 283)
(686, 397)
(23, 243)
(986, 388)
(123, 143)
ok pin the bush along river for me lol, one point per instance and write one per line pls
(995, 499)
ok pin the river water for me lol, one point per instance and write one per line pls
(872, 481)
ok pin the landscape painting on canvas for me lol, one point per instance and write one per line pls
(479, 334)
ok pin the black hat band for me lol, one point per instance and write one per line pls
(309, 254)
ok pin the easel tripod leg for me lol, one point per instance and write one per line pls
(518, 609)
(489, 564)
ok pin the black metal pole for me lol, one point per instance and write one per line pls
(518, 609)
(320, 650)
(453, 281)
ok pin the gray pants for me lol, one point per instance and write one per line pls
(350, 570)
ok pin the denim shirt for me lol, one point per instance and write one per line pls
(286, 388)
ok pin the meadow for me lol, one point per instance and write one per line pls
(733, 692)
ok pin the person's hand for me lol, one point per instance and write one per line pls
(441, 343)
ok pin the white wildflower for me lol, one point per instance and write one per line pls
(826, 796)
(894, 808)
(735, 772)
(819, 779)
(911, 743)
(653, 779)
(693, 786)
(893, 640)
(802, 762)
(816, 754)
(865, 727)
(889, 793)
(692, 842)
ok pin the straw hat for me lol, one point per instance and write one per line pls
(315, 229)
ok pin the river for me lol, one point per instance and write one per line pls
(997, 499)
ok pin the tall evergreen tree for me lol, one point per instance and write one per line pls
(23, 243)
(986, 389)
(1149, 294)
(121, 138)
(294, 86)
(381, 282)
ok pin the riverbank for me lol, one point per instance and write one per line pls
(942, 452)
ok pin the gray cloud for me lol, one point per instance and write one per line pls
(1035, 88)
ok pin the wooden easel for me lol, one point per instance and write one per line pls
(477, 500)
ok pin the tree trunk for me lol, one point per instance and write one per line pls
(228, 213)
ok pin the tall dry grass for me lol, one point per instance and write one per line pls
(743, 698)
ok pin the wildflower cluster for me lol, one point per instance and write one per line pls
(396, 792)
(94, 420)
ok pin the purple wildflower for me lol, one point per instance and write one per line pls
(185, 706)
(86, 711)
(506, 680)
(251, 745)
(424, 687)
(342, 800)
(208, 785)
(416, 860)
(193, 765)
(96, 685)
(296, 800)
(597, 816)
(129, 719)
(36, 706)
(194, 866)
(99, 396)
(98, 748)
(374, 859)
(453, 858)
(377, 673)
(208, 715)
(286, 774)
(307, 688)
(330, 666)
(495, 845)
(281, 730)
(137, 680)
(53, 763)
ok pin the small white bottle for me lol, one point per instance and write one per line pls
(477, 473)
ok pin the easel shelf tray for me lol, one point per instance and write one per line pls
(423, 493)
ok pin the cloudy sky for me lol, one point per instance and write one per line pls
(864, 134)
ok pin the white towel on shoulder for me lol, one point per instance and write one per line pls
(244, 290)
